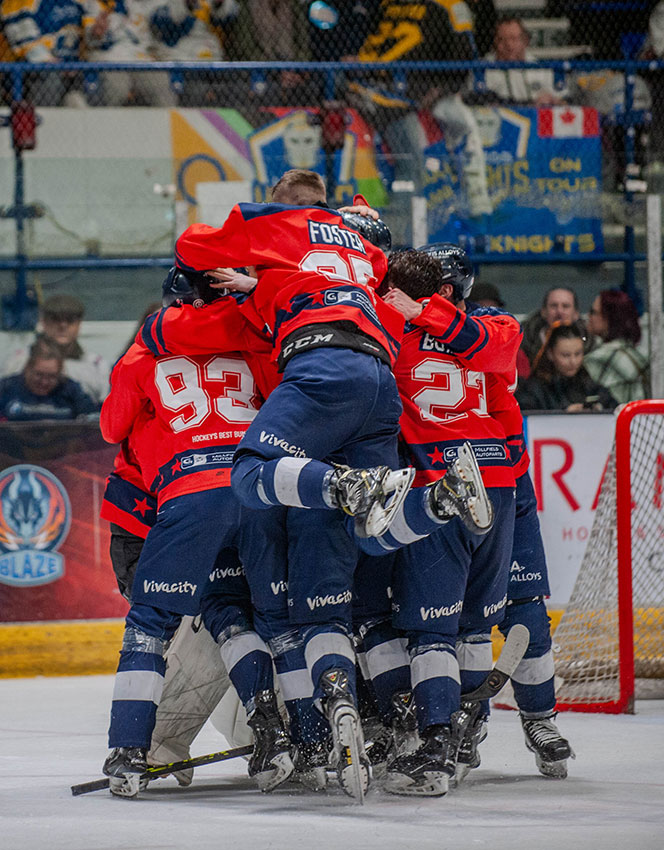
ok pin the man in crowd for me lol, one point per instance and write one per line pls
(560, 304)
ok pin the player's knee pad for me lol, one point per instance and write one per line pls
(152, 622)
(223, 619)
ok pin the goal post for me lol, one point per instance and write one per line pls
(610, 640)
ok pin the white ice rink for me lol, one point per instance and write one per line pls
(53, 735)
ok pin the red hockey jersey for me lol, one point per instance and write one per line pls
(126, 500)
(504, 407)
(211, 329)
(311, 269)
(201, 406)
(441, 377)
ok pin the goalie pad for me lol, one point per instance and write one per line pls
(195, 682)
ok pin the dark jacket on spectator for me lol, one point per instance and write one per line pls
(66, 401)
(558, 393)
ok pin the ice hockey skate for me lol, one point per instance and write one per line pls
(404, 724)
(125, 767)
(348, 756)
(373, 496)
(468, 757)
(461, 492)
(427, 771)
(311, 762)
(271, 761)
(550, 748)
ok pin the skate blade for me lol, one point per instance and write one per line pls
(460, 773)
(480, 506)
(268, 780)
(126, 786)
(431, 784)
(552, 769)
(380, 517)
(353, 773)
(314, 779)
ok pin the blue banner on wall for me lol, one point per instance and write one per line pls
(544, 182)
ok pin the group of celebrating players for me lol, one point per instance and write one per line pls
(323, 463)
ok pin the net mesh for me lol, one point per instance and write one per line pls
(588, 658)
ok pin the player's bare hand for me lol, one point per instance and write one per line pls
(408, 308)
(230, 279)
(361, 209)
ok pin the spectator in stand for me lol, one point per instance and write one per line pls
(46, 31)
(120, 31)
(615, 362)
(194, 31)
(560, 304)
(488, 295)
(533, 86)
(654, 49)
(337, 28)
(559, 380)
(273, 31)
(484, 20)
(412, 32)
(41, 391)
(61, 317)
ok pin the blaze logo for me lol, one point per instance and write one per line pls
(35, 516)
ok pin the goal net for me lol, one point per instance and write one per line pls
(610, 641)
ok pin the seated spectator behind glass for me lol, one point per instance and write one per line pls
(532, 86)
(488, 295)
(61, 317)
(559, 380)
(616, 363)
(46, 31)
(121, 32)
(559, 304)
(41, 391)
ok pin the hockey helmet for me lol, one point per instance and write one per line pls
(456, 266)
(376, 232)
(180, 287)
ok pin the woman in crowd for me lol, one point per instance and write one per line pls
(559, 380)
(615, 363)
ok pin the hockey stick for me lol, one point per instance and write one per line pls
(514, 648)
(163, 769)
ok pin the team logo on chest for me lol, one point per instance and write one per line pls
(35, 515)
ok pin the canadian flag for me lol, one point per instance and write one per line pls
(571, 122)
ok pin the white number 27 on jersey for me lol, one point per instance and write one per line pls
(452, 390)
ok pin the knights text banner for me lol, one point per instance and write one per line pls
(543, 170)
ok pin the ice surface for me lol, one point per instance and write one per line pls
(53, 735)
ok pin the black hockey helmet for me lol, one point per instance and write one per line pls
(376, 232)
(456, 265)
(180, 287)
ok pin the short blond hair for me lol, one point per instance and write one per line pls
(299, 188)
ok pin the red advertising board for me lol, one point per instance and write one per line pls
(54, 561)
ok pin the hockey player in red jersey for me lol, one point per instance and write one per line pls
(196, 678)
(451, 585)
(131, 511)
(533, 679)
(200, 407)
(333, 339)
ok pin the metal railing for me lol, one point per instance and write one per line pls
(331, 80)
